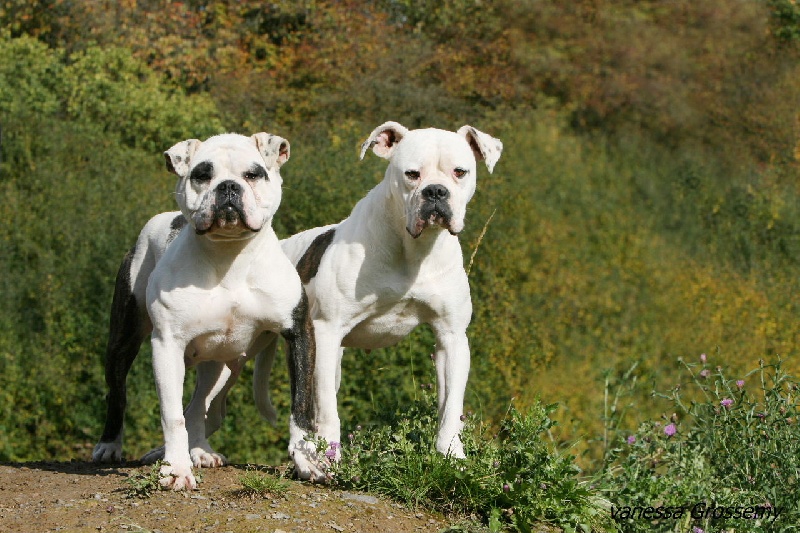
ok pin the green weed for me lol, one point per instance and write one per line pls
(143, 483)
(726, 458)
(511, 479)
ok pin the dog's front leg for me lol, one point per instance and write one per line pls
(169, 370)
(452, 371)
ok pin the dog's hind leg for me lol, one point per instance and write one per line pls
(263, 368)
(128, 328)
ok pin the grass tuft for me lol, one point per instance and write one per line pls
(258, 484)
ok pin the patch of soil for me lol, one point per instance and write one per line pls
(82, 496)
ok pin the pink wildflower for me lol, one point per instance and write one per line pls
(669, 430)
(726, 402)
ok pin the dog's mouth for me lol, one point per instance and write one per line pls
(432, 213)
(225, 217)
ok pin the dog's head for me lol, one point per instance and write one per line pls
(229, 186)
(433, 171)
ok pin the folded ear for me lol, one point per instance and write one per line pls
(275, 150)
(179, 155)
(383, 139)
(484, 146)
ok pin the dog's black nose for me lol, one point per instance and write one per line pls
(435, 192)
(229, 187)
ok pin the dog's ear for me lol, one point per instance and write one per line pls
(484, 146)
(179, 155)
(275, 150)
(383, 139)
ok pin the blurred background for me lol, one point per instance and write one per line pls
(645, 207)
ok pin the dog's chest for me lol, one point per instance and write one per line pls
(222, 324)
(385, 324)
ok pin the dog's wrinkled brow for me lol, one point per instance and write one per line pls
(202, 171)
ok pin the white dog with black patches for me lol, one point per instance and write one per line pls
(393, 264)
(214, 287)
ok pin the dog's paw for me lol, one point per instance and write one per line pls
(452, 447)
(177, 477)
(107, 452)
(153, 456)
(205, 457)
(307, 463)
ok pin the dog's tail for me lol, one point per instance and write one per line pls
(264, 360)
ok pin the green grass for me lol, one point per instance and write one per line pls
(726, 443)
(511, 479)
(260, 484)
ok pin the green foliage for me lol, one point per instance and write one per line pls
(29, 77)
(730, 443)
(258, 484)
(786, 20)
(143, 483)
(512, 479)
(109, 87)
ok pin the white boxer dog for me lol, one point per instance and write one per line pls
(213, 286)
(393, 264)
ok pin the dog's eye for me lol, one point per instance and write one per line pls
(412, 174)
(460, 172)
(255, 173)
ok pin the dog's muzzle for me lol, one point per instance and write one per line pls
(228, 207)
(434, 209)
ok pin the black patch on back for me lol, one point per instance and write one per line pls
(308, 265)
(175, 227)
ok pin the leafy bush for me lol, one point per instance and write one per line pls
(509, 479)
(730, 446)
(112, 89)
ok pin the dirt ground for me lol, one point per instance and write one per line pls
(81, 496)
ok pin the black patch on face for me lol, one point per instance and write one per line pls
(202, 172)
(126, 333)
(175, 227)
(302, 358)
(255, 172)
(308, 265)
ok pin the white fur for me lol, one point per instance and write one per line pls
(213, 299)
(377, 281)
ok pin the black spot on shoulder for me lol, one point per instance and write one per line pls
(175, 227)
(308, 265)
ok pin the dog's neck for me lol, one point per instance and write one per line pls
(223, 252)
